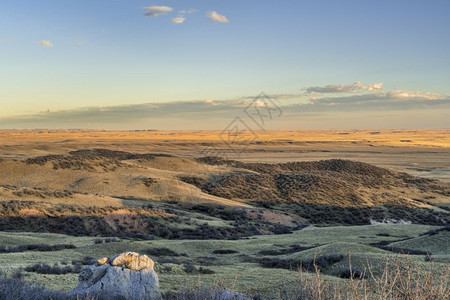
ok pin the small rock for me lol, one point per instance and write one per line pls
(102, 261)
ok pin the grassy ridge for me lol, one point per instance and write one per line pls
(245, 263)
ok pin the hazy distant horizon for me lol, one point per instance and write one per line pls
(358, 109)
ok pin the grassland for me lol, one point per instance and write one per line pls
(240, 268)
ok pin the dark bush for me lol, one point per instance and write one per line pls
(189, 268)
(428, 258)
(207, 261)
(35, 247)
(106, 240)
(162, 252)
(385, 246)
(163, 260)
(205, 271)
(277, 263)
(309, 265)
(292, 249)
(383, 234)
(167, 268)
(85, 261)
(225, 251)
(47, 269)
(353, 273)
(325, 261)
(436, 231)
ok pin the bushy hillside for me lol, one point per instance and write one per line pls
(292, 194)
(331, 182)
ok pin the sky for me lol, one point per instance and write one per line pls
(135, 64)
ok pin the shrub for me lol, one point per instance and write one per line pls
(207, 261)
(87, 260)
(47, 269)
(225, 251)
(205, 271)
(35, 247)
(436, 231)
(383, 234)
(163, 260)
(106, 240)
(353, 273)
(320, 262)
(189, 268)
(399, 250)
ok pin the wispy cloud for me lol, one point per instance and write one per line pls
(178, 20)
(131, 114)
(187, 11)
(416, 95)
(200, 113)
(217, 17)
(45, 43)
(388, 100)
(153, 11)
(345, 88)
(182, 15)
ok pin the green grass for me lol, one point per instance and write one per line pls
(230, 269)
(438, 244)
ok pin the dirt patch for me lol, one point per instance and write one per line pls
(30, 212)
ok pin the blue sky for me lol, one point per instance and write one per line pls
(107, 53)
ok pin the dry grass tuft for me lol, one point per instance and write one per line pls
(399, 280)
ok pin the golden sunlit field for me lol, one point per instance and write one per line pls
(420, 152)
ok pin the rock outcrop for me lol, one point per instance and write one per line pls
(127, 276)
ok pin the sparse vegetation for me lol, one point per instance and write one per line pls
(309, 265)
(35, 247)
(13, 289)
(398, 280)
(55, 269)
(162, 252)
(106, 240)
(225, 251)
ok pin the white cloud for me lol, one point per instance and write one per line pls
(415, 95)
(45, 43)
(153, 11)
(178, 20)
(345, 88)
(217, 17)
(181, 15)
(391, 98)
